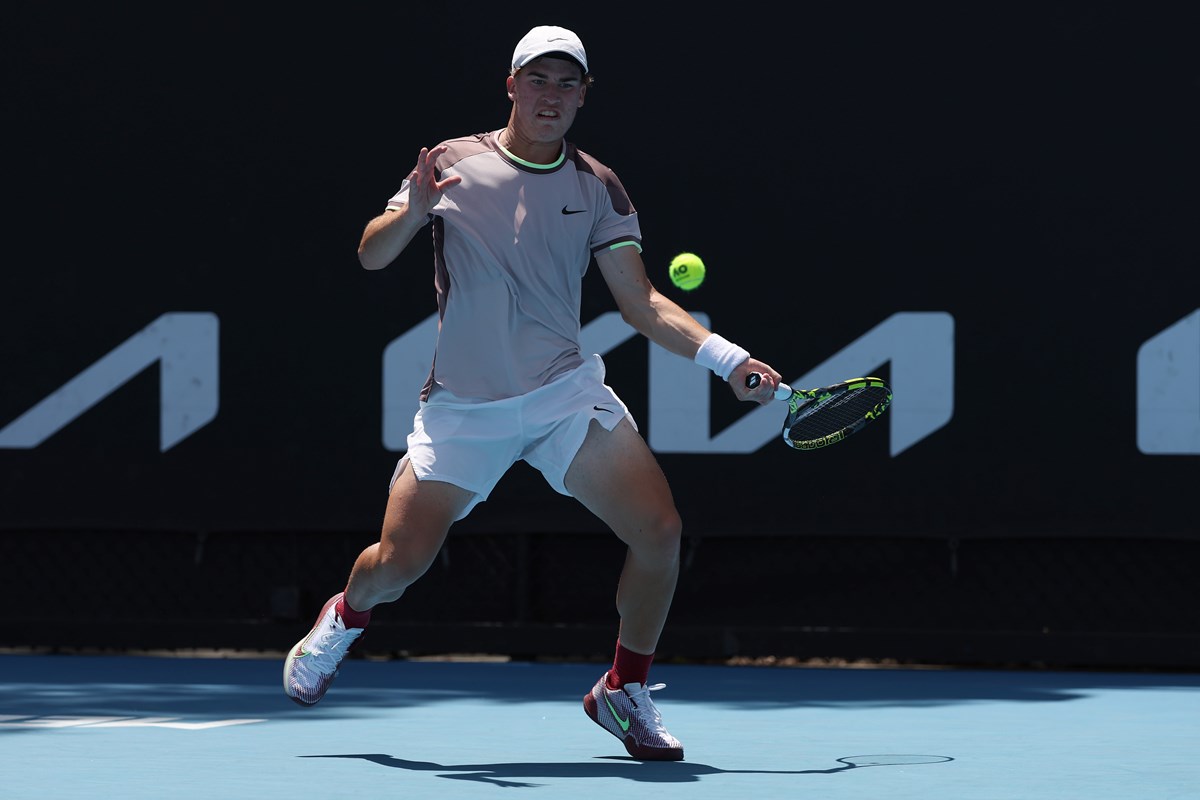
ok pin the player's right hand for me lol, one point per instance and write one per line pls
(424, 190)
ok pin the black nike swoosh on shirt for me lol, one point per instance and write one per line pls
(600, 408)
(577, 211)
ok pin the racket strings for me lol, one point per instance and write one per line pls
(836, 413)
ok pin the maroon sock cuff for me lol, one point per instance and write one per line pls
(629, 667)
(352, 618)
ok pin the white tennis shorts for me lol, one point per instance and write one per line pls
(472, 443)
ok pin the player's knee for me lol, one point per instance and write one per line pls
(660, 534)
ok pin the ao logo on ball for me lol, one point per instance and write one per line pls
(687, 271)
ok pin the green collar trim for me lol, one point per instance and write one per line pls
(561, 157)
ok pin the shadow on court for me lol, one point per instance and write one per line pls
(215, 688)
(150, 727)
(517, 775)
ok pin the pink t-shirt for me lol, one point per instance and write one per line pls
(512, 243)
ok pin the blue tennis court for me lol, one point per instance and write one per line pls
(153, 727)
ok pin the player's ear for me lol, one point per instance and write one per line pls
(510, 85)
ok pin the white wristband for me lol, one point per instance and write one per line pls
(720, 355)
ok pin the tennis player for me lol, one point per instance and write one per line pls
(517, 214)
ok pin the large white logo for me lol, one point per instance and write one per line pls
(1168, 390)
(919, 348)
(184, 344)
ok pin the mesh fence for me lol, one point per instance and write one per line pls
(882, 597)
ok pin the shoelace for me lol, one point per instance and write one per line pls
(328, 649)
(646, 710)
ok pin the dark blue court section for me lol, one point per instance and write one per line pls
(141, 727)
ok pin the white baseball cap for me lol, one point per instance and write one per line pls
(545, 39)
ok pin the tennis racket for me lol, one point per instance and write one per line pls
(820, 417)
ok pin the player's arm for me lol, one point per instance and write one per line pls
(388, 234)
(664, 322)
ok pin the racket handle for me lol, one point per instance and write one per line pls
(782, 391)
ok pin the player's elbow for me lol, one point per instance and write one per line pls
(364, 258)
(637, 316)
(370, 258)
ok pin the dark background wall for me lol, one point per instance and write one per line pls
(1029, 174)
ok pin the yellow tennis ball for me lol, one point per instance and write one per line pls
(687, 271)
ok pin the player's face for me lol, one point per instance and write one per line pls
(546, 94)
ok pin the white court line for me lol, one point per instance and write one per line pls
(65, 721)
(171, 722)
(58, 721)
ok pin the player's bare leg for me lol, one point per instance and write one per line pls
(418, 517)
(616, 476)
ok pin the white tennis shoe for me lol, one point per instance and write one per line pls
(313, 663)
(629, 714)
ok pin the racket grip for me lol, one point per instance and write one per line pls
(782, 391)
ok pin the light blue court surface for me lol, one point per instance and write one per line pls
(143, 727)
